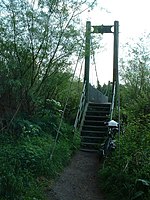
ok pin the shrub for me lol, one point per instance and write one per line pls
(126, 174)
(26, 163)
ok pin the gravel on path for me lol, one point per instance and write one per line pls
(79, 181)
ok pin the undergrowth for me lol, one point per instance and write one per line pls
(126, 174)
(27, 167)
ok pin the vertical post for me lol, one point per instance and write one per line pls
(115, 53)
(87, 59)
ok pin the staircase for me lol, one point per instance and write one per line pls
(94, 131)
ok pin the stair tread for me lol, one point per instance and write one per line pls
(94, 126)
(93, 131)
(88, 150)
(94, 121)
(95, 116)
(89, 143)
(92, 137)
(93, 103)
(99, 105)
(99, 111)
(98, 108)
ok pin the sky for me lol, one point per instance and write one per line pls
(134, 19)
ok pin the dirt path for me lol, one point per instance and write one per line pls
(79, 180)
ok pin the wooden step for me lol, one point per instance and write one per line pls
(94, 122)
(93, 133)
(94, 128)
(108, 104)
(97, 112)
(92, 139)
(90, 145)
(96, 118)
(98, 108)
(89, 150)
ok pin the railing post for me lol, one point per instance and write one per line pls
(87, 59)
(115, 53)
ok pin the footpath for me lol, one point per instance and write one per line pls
(78, 181)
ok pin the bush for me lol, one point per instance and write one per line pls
(126, 174)
(26, 163)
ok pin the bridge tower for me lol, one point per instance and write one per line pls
(100, 29)
(94, 108)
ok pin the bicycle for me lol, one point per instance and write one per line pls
(109, 144)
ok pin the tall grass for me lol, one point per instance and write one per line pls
(26, 165)
(126, 174)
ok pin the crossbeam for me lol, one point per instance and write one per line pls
(102, 29)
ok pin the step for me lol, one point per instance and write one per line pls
(98, 108)
(94, 128)
(93, 139)
(97, 113)
(93, 133)
(96, 118)
(108, 104)
(90, 145)
(89, 150)
(94, 122)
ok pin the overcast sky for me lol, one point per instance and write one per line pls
(134, 19)
(133, 15)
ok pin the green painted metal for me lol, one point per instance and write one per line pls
(115, 53)
(81, 109)
(115, 64)
(85, 96)
(102, 29)
(87, 59)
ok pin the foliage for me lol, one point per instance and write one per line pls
(38, 42)
(26, 165)
(73, 101)
(125, 175)
(19, 162)
(135, 76)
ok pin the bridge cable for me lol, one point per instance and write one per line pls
(94, 61)
(65, 106)
(79, 79)
(98, 83)
(119, 117)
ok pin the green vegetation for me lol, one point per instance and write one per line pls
(126, 174)
(38, 43)
(26, 162)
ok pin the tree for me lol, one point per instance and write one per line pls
(135, 76)
(38, 39)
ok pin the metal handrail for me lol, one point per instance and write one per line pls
(113, 101)
(81, 107)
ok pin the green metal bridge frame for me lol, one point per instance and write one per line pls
(100, 29)
(84, 101)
